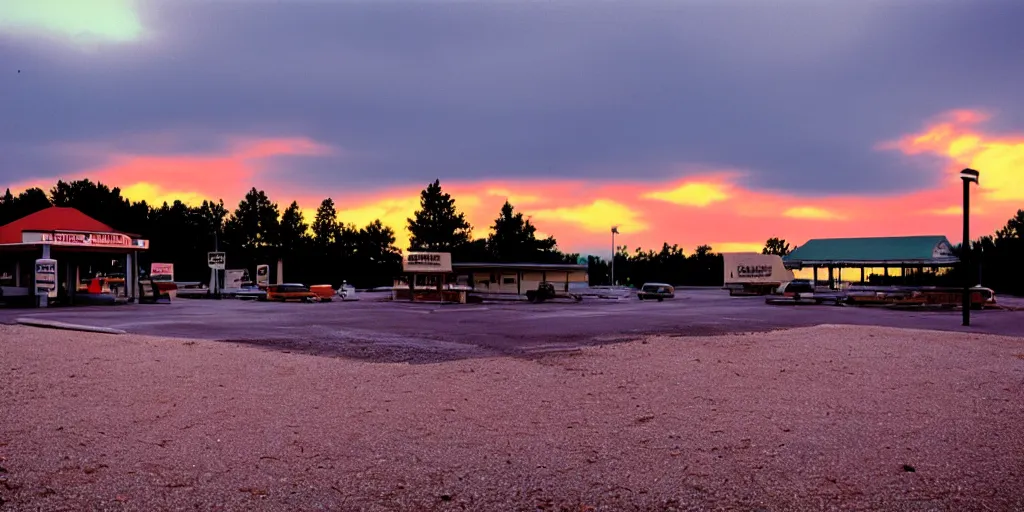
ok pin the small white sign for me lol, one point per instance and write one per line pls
(262, 275)
(216, 260)
(46, 277)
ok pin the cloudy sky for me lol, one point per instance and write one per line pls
(693, 121)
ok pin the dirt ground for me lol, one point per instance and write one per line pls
(816, 418)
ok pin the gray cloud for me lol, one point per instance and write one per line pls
(797, 93)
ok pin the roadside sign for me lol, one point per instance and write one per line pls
(46, 277)
(161, 271)
(262, 275)
(440, 262)
(216, 260)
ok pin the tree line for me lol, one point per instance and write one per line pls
(325, 249)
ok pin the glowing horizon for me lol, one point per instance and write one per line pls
(712, 208)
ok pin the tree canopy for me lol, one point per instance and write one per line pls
(514, 239)
(438, 225)
(776, 246)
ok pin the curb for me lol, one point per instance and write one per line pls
(50, 324)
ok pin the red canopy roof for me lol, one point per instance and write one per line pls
(54, 218)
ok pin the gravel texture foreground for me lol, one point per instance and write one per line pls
(815, 418)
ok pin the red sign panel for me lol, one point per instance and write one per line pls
(95, 239)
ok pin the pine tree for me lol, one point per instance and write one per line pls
(325, 224)
(438, 225)
(255, 224)
(293, 229)
(514, 239)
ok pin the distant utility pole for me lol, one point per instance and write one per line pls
(615, 231)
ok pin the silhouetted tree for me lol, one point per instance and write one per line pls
(776, 246)
(293, 230)
(253, 232)
(25, 203)
(437, 225)
(514, 239)
(377, 259)
(325, 225)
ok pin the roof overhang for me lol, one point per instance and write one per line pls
(943, 262)
(538, 267)
(84, 241)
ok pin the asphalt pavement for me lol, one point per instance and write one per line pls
(372, 326)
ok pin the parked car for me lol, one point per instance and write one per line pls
(287, 292)
(656, 291)
(798, 288)
(251, 291)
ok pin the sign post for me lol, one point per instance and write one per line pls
(45, 281)
(216, 261)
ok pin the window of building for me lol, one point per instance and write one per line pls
(508, 280)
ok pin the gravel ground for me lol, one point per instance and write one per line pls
(817, 418)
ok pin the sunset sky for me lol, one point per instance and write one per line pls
(693, 121)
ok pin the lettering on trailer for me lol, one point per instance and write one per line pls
(754, 270)
(101, 239)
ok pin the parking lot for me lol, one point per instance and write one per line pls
(376, 329)
(521, 415)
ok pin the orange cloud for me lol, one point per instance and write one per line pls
(596, 217)
(514, 198)
(692, 193)
(956, 137)
(812, 212)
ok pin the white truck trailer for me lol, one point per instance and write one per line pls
(751, 273)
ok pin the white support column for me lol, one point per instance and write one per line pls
(129, 277)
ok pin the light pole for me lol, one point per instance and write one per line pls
(615, 231)
(968, 176)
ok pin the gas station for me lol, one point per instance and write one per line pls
(60, 256)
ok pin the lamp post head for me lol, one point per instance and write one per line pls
(615, 230)
(969, 175)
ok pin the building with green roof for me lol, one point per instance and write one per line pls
(903, 252)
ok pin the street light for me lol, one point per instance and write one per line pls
(615, 231)
(968, 176)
